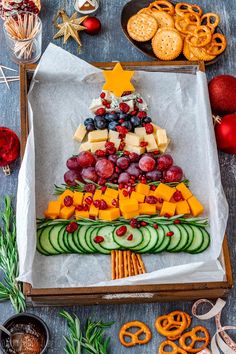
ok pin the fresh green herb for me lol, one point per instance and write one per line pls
(93, 342)
(10, 289)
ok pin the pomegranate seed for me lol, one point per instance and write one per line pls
(153, 188)
(178, 196)
(149, 128)
(122, 130)
(122, 145)
(103, 95)
(133, 113)
(121, 185)
(98, 239)
(90, 188)
(103, 189)
(139, 100)
(104, 102)
(68, 201)
(109, 144)
(177, 221)
(100, 153)
(85, 207)
(161, 200)
(121, 137)
(126, 93)
(114, 202)
(103, 205)
(143, 144)
(130, 237)
(89, 200)
(100, 112)
(133, 189)
(71, 227)
(166, 215)
(121, 121)
(101, 181)
(125, 193)
(124, 107)
(97, 203)
(143, 180)
(108, 105)
(91, 217)
(170, 233)
(155, 226)
(79, 207)
(121, 231)
(111, 150)
(156, 152)
(141, 114)
(151, 199)
(134, 223)
(143, 223)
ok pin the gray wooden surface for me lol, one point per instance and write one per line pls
(112, 45)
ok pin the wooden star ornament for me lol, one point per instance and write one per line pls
(69, 27)
(118, 80)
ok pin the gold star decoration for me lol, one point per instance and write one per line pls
(118, 80)
(69, 27)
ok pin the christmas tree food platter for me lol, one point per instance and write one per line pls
(94, 219)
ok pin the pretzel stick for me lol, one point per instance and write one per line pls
(126, 271)
(129, 263)
(121, 273)
(141, 264)
(117, 264)
(133, 256)
(113, 265)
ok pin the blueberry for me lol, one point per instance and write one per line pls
(124, 116)
(88, 121)
(127, 125)
(136, 122)
(100, 122)
(112, 125)
(147, 120)
(90, 127)
(111, 117)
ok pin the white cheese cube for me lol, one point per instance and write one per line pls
(137, 149)
(161, 137)
(96, 103)
(97, 146)
(113, 134)
(162, 148)
(152, 145)
(155, 127)
(133, 139)
(84, 147)
(80, 133)
(97, 135)
(116, 142)
(140, 131)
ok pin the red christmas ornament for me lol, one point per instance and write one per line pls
(226, 134)
(92, 24)
(9, 148)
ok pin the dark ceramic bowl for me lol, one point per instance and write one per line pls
(130, 9)
(25, 319)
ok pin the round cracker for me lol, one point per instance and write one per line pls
(188, 53)
(167, 43)
(163, 19)
(201, 53)
(142, 27)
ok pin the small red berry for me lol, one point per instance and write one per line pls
(89, 200)
(134, 223)
(96, 203)
(133, 113)
(124, 107)
(141, 114)
(104, 102)
(109, 144)
(178, 196)
(139, 100)
(125, 193)
(170, 233)
(103, 189)
(166, 215)
(100, 153)
(143, 144)
(111, 150)
(143, 223)
(85, 207)
(153, 188)
(130, 237)
(122, 145)
(68, 201)
(98, 239)
(155, 226)
(103, 205)
(79, 207)
(177, 221)
(143, 180)
(103, 95)
(71, 227)
(149, 128)
(100, 112)
(108, 105)
(121, 230)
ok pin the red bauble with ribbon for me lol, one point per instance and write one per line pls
(225, 130)
(9, 148)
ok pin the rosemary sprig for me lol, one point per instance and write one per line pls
(92, 342)
(10, 289)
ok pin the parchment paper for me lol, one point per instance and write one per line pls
(60, 94)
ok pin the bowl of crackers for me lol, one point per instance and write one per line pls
(173, 31)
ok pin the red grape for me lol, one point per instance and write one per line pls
(124, 177)
(113, 158)
(89, 173)
(72, 163)
(86, 159)
(147, 163)
(164, 162)
(173, 174)
(123, 162)
(134, 157)
(134, 170)
(154, 176)
(114, 178)
(70, 178)
(104, 168)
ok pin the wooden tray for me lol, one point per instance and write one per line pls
(122, 294)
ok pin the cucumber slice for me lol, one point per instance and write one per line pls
(183, 239)
(88, 238)
(38, 246)
(107, 232)
(83, 244)
(129, 244)
(165, 241)
(146, 240)
(71, 241)
(175, 239)
(161, 237)
(75, 237)
(97, 246)
(190, 235)
(45, 241)
(54, 237)
(61, 241)
(206, 242)
(153, 239)
(197, 240)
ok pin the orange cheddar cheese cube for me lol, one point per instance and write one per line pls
(195, 206)
(182, 207)
(128, 205)
(97, 195)
(130, 214)
(78, 198)
(49, 215)
(109, 201)
(80, 214)
(159, 205)
(67, 212)
(66, 193)
(111, 193)
(86, 195)
(152, 193)
(147, 209)
(53, 210)
(137, 196)
(186, 193)
(109, 214)
(93, 211)
(168, 208)
(165, 192)
(121, 195)
(143, 188)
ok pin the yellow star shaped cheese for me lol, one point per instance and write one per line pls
(118, 80)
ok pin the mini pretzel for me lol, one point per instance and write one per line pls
(217, 44)
(200, 37)
(134, 336)
(174, 347)
(195, 339)
(162, 5)
(170, 326)
(189, 320)
(211, 20)
(188, 23)
(182, 8)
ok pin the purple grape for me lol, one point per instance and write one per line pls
(123, 162)
(89, 173)
(113, 158)
(72, 163)
(70, 177)
(124, 177)
(154, 176)
(134, 170)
